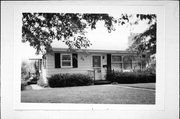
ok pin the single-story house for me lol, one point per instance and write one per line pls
(95, 63)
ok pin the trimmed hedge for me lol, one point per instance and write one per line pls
(130, 77)
(66, 80)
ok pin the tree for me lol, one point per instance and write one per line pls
(41, 29)
(146, 41)
(145, 44)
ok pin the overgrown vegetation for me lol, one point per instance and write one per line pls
(23, 84)
(25, 68)
(29, 73)
(24, 74)
(66, 80)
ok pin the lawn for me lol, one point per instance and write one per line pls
(141, 85)
(95, 94)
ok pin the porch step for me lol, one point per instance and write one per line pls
(100, 82)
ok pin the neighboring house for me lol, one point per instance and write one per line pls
(95, 63)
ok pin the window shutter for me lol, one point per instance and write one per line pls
(57, 60)
(75, 60)
(108, 62)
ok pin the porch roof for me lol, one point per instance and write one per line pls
(91, 51)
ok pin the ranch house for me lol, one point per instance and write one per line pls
(95, 63)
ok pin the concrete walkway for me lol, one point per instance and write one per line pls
(36, 87)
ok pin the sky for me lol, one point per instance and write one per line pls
(99, 37)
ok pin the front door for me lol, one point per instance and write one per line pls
(97, 67)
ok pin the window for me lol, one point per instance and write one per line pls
(117, 66)
(96, 61)
(66, 60)
(116, 58)
(116, 62)
(127, 62)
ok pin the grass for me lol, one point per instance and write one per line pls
(141, 85)
(96, 94)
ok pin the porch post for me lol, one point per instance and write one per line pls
(122, 63)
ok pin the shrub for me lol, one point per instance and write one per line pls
(23, 84)
(65, 80)
(25, 70)
(130, 77)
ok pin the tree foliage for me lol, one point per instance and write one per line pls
(41, 29)
(145, 42)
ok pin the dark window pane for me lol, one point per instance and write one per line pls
(96, 61)
(66, 57)
(127, 62)
(66, 63)
(116, 58)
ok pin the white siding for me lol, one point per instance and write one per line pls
(84, 64)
